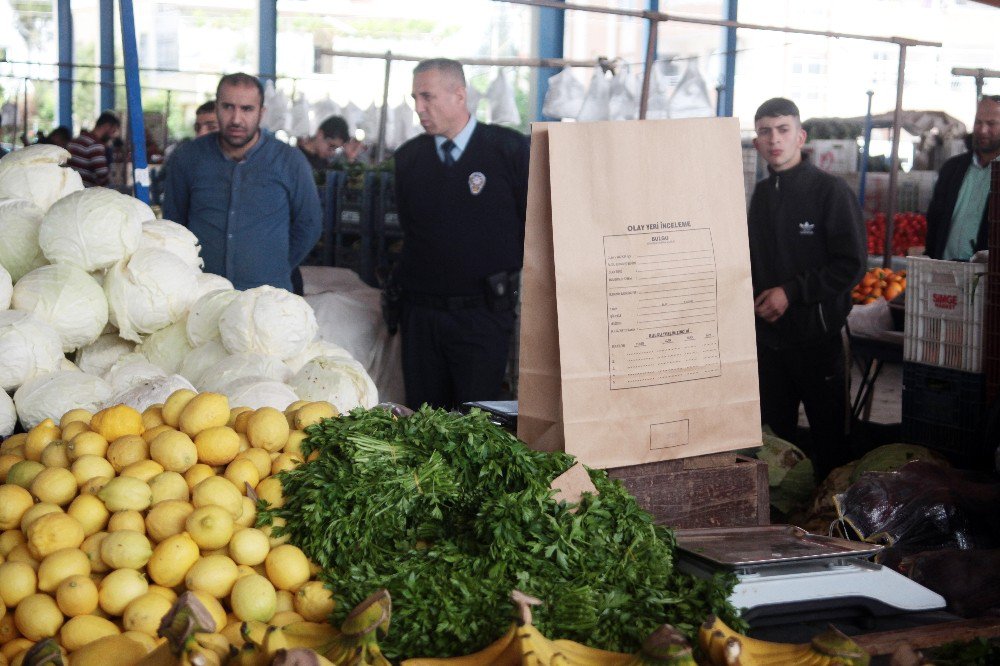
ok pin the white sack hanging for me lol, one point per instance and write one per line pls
(658, 102)
(564, 96)
(299, 123)
(623, 99)
(595, 103)
(503, 105)
(275, 115)
(691, 98)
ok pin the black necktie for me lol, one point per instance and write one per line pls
(447, 146)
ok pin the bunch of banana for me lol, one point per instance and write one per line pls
(724, 647)
(188, 628)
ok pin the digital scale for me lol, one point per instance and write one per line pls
(786, 574)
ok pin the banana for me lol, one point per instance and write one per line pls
(300, 657)
(253, 631)
(502, 652)
(117, 650)
(249, 655)
(725, 647)
(196, 655)
(357, 643)
(185, 620)
(217, 643)
(316, 636)
(45, 653)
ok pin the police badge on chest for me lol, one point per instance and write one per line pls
(477, 181)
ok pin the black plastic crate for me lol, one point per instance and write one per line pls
(388, 232)
(944, 409)
(353, 223)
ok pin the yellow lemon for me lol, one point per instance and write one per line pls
(39, 437)
(126, 549)
(145, 613)
(156, 431)
(169, 486)
(87, 443)
(244, 442)
(22, 473)
(276, 541)
(313, 601)
(119, 588)
(14, 502)
(197, 474)
(15, 648)
(9, 539)
(249, 516)
(239, 423)
(75, 416)
(294, 444)
(164, 592)
(7, 460)
(56, 455)
(18, 581)
(52, 532)
(269, 490)
(77, 595)
(174, 450)
(286, 601)
(213, 607)
(260, 458)
(249, 546)
(171, 560)
(36, 512)
(234, 412)
(153, 416)
(253, 598)
(126, 492)
(127, 520)
(212, 575)
(314, 412)
(241, 472)
(22, 553)
(284, 462)
(126, 450)
(217, 445)
(167, 518)
(71, 430)
(94, 485)
(287, 567)
(8, 630)
(147, 642)
(90, 512)
(55, 485)
(285, 618)
(175, 404)
(84, 629)
(143, 469)
(117, 421)
(267, 429)
(91, 546)
(38, 617)
(88, 466)
(210, 526)
(220, 492)
(59, 566)
(203, 411)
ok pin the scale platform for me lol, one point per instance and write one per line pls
(787, 574)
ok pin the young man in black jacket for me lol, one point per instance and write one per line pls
(807, 251)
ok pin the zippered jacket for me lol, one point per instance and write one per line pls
(807, 236)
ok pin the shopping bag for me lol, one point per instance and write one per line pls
(564, 96)
(637, 331)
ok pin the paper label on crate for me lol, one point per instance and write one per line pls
(663, 324)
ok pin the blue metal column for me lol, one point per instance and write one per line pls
(729, 72)
(133, 95)
(64, 100)
(551, 29)
(107, 53)
(267, 57)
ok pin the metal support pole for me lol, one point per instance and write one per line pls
(133, 95)
(897, 121)
(867, 150)
(652, 6)
(551, 29)
(107, 54)
(729, 69)
(24, 134)
(267, 56)
(383, 115)
(653, 30)
(64, 24)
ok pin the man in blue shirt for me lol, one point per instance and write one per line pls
(249, 198)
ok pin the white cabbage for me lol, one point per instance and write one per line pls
(236, 366)
(132, 369)
(208, 282)
(342, 382)
(149, 392)
(34, 173)
(203, 317)
(172, 237)
(257, 392)
(167, 347)
(67, 299)
(28, 347)
(6, 288)
(203, 357)
(67, 364)
(267, 320)
(318, 347)
(98, 357)
(94, 228)
(52, 395)
(8, 415)
(150, 291)
(19, 223)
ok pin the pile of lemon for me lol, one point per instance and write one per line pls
(105, 518)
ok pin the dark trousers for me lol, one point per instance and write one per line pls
(454, 356)
(815, 376)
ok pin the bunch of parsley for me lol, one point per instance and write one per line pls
(450, 513)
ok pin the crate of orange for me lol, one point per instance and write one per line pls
(879, 283)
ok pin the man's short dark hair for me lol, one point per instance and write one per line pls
(447, 66)
(335, 127)
(108, 118)
(61, 132)
(241, 79)
(775, 107)
(207, 107)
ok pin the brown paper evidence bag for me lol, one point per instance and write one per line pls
(637, 326)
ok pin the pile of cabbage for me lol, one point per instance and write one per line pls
(101, 303)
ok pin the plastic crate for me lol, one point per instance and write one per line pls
(944, 313)
(944, 409)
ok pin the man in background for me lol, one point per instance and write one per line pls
(461, 193)
(89, 150)
(330, 136)
(956, 216)
(249, 198)
(807, 250)
(205, 121)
